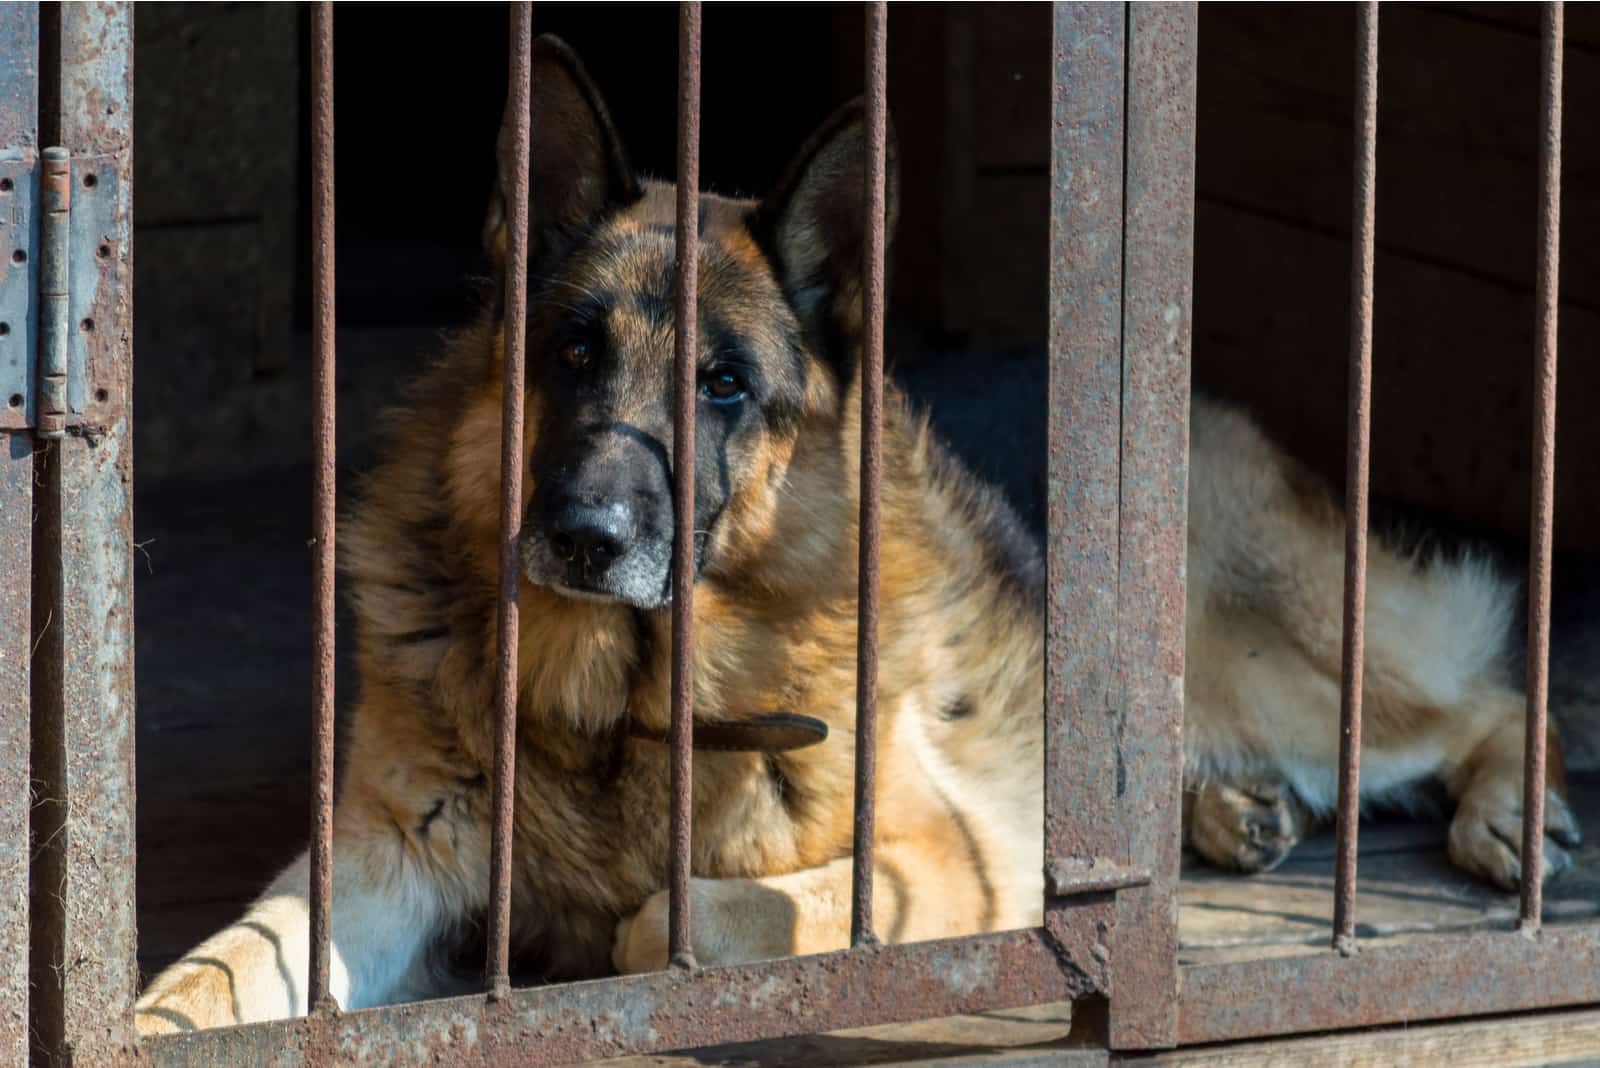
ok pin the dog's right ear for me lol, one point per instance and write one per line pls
(578, 167)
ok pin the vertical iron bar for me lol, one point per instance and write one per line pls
(1358, 447)
(861, 932)
(1152, 511)
(1544, 468)
(1088, 67)
(497, 967)
(680, 945)
(322, 503)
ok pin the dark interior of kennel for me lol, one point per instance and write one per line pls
(222, 440)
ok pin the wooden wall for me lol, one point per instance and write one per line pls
(1457, 199)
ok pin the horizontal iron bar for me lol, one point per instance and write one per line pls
(1068, 878)
(1423, 979)
(677, 1009)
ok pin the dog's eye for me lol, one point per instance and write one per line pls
(576, 353)
(722, 386)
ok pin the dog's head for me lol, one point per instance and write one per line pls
(778, 335)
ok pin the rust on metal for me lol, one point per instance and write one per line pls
(1158, 257)
(16, 548)
(1085, 421)
(19, 102)
(323, 508)
(1426, 979)
(1070, 878)
(866, 802)
(685, 394)
(83, 975)
(55, 214)
(1543, 507)
(672, 1009)
(514, 374)
(1358, 445)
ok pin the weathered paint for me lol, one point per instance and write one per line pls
(1080, 786)
(675, 1009)
(19, 105)
(84, 974)
(1158, 270)
(96, 276)
(16, 521)
(1424, 979)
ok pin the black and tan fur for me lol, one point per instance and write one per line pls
(961, 639)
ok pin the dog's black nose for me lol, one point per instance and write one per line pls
(590, 537)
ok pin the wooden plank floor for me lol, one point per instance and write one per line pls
(1405, 885)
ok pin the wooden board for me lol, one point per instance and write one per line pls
(1406, 886)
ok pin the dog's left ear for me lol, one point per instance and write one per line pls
(813, 224)
(577, 165)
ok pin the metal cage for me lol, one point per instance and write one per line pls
(1121, 235)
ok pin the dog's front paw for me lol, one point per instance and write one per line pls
(1486, 834)
(731, 921)
(1248, 828)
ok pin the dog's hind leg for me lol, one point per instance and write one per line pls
(384, 916)
(398, 836)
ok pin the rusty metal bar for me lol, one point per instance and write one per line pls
(497, 966)
(19, 105)
(1358, 445)
(323, 507)
(1158, 259)
(666, 1010)
(1085, 428)
(83, 976)
(16, 549)
(686, 395)
(1543, 508)
(1387, 983)
(866, 807)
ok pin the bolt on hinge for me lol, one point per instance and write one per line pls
(55, 195)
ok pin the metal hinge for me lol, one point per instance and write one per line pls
(58, 279)
(55, 226)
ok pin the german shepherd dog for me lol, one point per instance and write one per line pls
(960, 760)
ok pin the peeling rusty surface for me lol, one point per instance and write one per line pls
(19, 107)
(1080, 786)
(16, 521)
(1158, 261)
(519, 113)
(1358, 450)
(675, 1009)
(1069, 878)
(875, 227)
(95, 278)
(83, 972)
(1427, 979)
(1543, 507)
(323, 499)
(685, 395)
